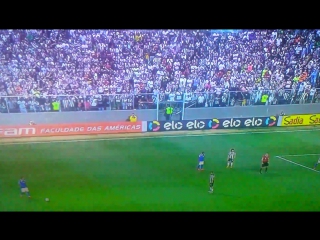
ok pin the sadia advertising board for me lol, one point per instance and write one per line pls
(300, 120)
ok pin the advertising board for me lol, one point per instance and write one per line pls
(69, 129)
(214, 123)
(300, 120)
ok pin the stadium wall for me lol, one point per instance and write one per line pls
(71, 117)
(250, 111)
(150, 115)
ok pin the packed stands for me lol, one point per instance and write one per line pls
(126, 69)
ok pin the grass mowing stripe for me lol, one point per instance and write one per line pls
(158, 136)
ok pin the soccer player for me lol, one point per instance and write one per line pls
(264, 163)
(23, 187)
(315, 166)
(201, 161)
(231, 158)
(211, 182)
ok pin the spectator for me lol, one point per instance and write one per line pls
(129, 67)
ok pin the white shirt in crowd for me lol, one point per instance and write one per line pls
(201, 99)
(172, 96)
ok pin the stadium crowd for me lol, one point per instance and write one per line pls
(126, 69)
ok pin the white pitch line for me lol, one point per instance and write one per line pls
(284, 159)
(158, 136)
(297, 155)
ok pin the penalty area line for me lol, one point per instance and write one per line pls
(298, 155)
(287, 160)
(159, 136)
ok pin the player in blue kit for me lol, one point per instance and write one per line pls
(23, 187)
(201, 161)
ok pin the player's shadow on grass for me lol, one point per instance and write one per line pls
(226, 194)
(256, 169)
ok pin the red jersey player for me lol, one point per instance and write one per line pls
(264, 162)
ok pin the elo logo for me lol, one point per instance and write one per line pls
(214, 123)
(154, 126)
(270, 121)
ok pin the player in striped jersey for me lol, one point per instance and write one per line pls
(211, 182)
(315, 166)
(231, 158)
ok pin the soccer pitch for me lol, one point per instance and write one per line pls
(159, 174)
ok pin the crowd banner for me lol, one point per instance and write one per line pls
(300, 120)
(214, 123)
(39, 130)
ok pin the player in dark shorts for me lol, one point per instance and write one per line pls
(264, 163)
(211, 182)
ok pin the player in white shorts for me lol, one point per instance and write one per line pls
(231, 157)
(23, 187)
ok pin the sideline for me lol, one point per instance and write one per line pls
(159, 136)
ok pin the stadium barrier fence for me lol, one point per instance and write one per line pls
(182, 100)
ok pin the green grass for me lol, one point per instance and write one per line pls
(307, 160)
(159, 174)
